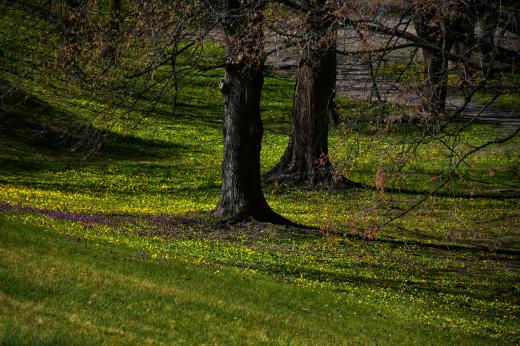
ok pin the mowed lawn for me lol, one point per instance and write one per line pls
(56, 289)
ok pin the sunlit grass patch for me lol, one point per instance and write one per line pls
(402, 284)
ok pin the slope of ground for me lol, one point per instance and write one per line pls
(118, 247)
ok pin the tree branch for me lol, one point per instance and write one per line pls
(450, 173)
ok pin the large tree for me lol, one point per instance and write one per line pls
(242, 196)
(306, 157)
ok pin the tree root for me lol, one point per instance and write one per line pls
(268, 216)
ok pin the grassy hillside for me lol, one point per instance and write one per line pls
(118, 247)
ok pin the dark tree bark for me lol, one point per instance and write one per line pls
(488, 19)
(242, 195)
(243, 130)
(433, 99)
(333, 113)
(306, 156)
(443, 26)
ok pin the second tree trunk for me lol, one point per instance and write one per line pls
(306, 158)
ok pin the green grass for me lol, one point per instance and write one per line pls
(155, 269)
(63, 289)
(508, 100)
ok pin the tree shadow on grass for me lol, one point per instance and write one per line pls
(291, 253)
(37, 128)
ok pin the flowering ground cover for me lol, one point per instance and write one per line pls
(134, 217)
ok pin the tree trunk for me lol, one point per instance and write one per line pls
(241, 195)
(433, 99)
(489, 17)
(306, 156)
(243, 130)
(333, 113)
(442, 24)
